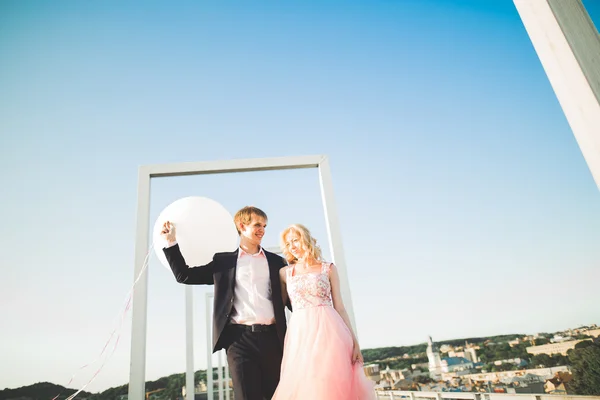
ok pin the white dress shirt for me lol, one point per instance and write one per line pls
(252, 294)
(252, 291)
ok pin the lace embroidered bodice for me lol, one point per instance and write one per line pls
(311, 289)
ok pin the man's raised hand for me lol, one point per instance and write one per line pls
(168, 232)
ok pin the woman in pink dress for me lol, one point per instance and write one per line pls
(321, 356)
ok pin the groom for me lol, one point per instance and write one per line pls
(248, 314)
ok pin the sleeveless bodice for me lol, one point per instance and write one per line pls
(309, 290)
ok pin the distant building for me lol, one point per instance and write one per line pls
(372, 372)
(419, 366)
(471, 354)
(201, 387)
(514, 342)
(446, 348)
(545, 373)
(404, 384)
(556, 384)
(554, 348)
(457, 362)
(393, 375)
(560, 339)
(592, 332)
(435, 361)
(453, 364)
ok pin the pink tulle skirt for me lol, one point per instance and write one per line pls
(317, 360)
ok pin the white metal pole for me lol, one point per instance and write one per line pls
(227, 378)
(568, 46)
(335, 237)
(189, 336)
(220, 374)
(137, 369)
(209, 370)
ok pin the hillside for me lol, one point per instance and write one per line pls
(39, 391)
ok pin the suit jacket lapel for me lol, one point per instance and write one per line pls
(232, 269)
(274, 275)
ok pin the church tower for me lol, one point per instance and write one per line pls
(435, 361)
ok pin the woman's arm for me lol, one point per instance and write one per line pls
(283, 281)
(338, 304)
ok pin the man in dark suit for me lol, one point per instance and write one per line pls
(248, 314)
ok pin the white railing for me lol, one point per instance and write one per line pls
(408, 395)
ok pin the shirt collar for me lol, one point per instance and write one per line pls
(242, 253)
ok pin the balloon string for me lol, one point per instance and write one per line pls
(116, 331)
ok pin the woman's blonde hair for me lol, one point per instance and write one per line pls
(309, 244)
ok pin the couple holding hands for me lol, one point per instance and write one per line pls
(314, 357)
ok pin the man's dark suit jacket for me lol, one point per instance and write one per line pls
(221, 272)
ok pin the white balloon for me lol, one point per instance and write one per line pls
(203, 227)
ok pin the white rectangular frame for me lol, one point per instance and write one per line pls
(137, 372)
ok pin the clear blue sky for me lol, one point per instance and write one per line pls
(466, 206)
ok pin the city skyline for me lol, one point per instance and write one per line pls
(451, 348)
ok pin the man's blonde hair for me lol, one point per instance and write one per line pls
(309, 244)
(244, 216)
